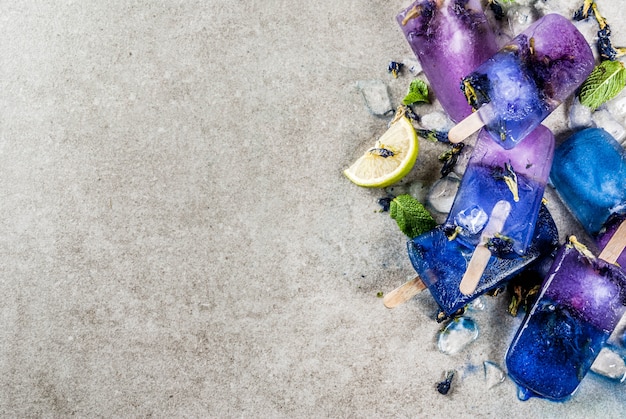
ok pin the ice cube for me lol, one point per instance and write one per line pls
(459, 333)
(376, 96)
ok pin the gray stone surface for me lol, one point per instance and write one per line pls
(176, 235)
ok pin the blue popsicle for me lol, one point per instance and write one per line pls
(526, 80)
(581, 301)
(589, 174)
(493, 174)
(441, 263)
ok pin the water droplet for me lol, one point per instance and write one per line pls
(459, 333)
(493, 374)
(524, 394)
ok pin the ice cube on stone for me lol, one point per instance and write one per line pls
(520, 17)
(437, 121)
(579, 115)
(442, 193)
(617, 106)
(493, 374)
(610, 364)
(376, 96)
(605, 120)
(457, 335)
(413, 65)
(477, 305)
(418, 190)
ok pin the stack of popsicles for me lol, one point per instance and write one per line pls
(496, 209)
(497, 225)
(583, 297)
(451, 39)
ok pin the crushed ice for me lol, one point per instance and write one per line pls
(493, 374)
(457, 335)
(376, 96)
(442, 193)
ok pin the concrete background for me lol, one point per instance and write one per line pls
(176, 235)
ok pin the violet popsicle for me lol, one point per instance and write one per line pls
(518, 176)
(581, 301)
(589, 174)
(441, 263)
(525, 81)
(450, 38)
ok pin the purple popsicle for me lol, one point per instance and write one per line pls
(450, 38)
(517, 176)
(525, 81)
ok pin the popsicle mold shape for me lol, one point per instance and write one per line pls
(589, 174)
(493, 174)
(450, 38)
(518, 87)
(581, 301)
(441, 263)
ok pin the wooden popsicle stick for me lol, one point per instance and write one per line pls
(615, 246)
(404, 292)
(481, 254)
(465, 128)
(478, 263)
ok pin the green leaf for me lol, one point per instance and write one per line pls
(418, 92)
(411, 216)
(603, 84)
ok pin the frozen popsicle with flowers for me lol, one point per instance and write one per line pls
(450, 38)
(581, 301)
(518, 87)
(441, 263)
(518, 176)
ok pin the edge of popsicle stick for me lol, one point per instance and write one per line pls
(615, 246)
(481, 255)
(404, 292)
(465, 128)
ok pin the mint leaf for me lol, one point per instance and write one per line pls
(605, 81)
(411, 216)
(418, 92)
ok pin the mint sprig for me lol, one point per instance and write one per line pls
(604, 83)
(412, 217)
(418, 92)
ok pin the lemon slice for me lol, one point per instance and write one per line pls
(391, 158)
